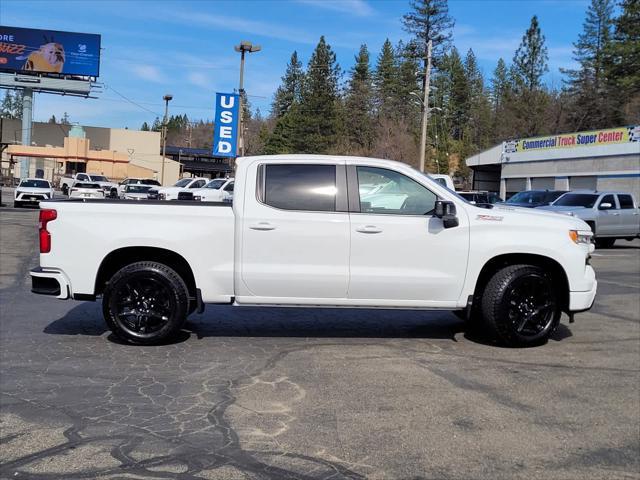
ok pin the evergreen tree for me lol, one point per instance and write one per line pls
(284, 138)
(317, 126)
(290, 91)
(460, 97)
(11, 105)
(429, 20)
(586, 86)
(479, 123)
(65, 120)
(145, 127)
(407, 83)
(52, 119)
(359, 104)
(500, 84)
(530, 59)
(622, 63)
(385, 80)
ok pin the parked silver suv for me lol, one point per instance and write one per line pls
(611, 215)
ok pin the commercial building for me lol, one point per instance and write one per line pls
(58, 150)
(595, 160)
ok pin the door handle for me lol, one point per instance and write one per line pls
(615, 214)
(264, 226)
(369, 229)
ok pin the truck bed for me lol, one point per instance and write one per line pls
(87, 230)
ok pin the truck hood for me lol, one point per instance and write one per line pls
(562, 208)
(106, 184)
(171, 190)
(535, 216)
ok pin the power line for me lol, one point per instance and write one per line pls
(131, 101)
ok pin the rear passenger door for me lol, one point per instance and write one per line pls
(295, 234)
(629, 217)
(608, 218)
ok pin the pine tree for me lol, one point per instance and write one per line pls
(52, 119)
(586, 86)
(291, 89)
(429, 20)
(65, 120)
(385, 80)
(11, 106)
(359, 105)
(500, 84)
(145, 127)
(530, 59)
(317, 127)
(460, 97)
(479, 124)
(407, 83)
(622, 63)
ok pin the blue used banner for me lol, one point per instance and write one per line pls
(225, 132)
(49, 51)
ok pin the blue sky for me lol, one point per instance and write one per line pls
(186, 48)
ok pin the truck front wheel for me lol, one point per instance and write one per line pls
(145, 303)
(520, 305)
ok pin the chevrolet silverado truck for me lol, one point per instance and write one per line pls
(303, 232)
(110, 188)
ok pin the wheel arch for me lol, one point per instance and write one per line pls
(121, 257)
(546, 263)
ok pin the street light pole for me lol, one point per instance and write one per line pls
(244, 47)
(425, 109)
(167, 98)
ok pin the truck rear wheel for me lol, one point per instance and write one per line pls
(520, 306)
(605, 242)
(145, 303)
(65, 189)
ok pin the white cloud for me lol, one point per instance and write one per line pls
(358, 8)
(199, 79)
(149, 73)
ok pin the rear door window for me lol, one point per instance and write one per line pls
(626, 201)
(300, 187)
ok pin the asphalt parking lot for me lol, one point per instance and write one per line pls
(253, 393)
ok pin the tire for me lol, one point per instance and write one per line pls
(65, 189)
(17, 204)
(113, 193)
(145, 303)
(520, 306)
(605, 242)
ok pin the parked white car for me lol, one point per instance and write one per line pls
(31, 191)
(445, 180)
(184, 185)
(299, 233)
(217, 190)
(86, 190)
(110, 188)
(136, 181)
(136, 192)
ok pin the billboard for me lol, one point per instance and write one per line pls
(225, 132)
(580, 139)
(26, 50)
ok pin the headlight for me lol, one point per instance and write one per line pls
(581, 236)
(197, 197)
(162, 196)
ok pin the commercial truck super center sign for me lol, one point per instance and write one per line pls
(225, 132)
(579, 139)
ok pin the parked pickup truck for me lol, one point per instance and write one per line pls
(301, 233)
(611, 215)
(110, 188)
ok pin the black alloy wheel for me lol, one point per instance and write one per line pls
(521, 306)
(145, 302)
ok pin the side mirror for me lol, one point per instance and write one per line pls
(605, 206)
(447, 212)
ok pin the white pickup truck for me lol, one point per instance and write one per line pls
(302, 232)
(110, 188)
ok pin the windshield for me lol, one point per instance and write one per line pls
(528, 197)
(215, 184)
(150, 182)
(577, 200)
(99, 178)
(138, 188)
(34, 184)
(182, 183)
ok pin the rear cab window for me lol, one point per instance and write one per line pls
(626, 201)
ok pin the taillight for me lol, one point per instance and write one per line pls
(46, 215)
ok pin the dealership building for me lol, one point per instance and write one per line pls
(595, 160)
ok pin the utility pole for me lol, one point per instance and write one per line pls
(27, 123)
(425, 109)
(243, 48)
(167, 98)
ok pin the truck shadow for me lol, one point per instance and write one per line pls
(227, 321)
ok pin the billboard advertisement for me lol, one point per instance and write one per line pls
(25, 50)
(225, 132)
(571, 140)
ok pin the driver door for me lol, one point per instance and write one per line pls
(399, 251)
